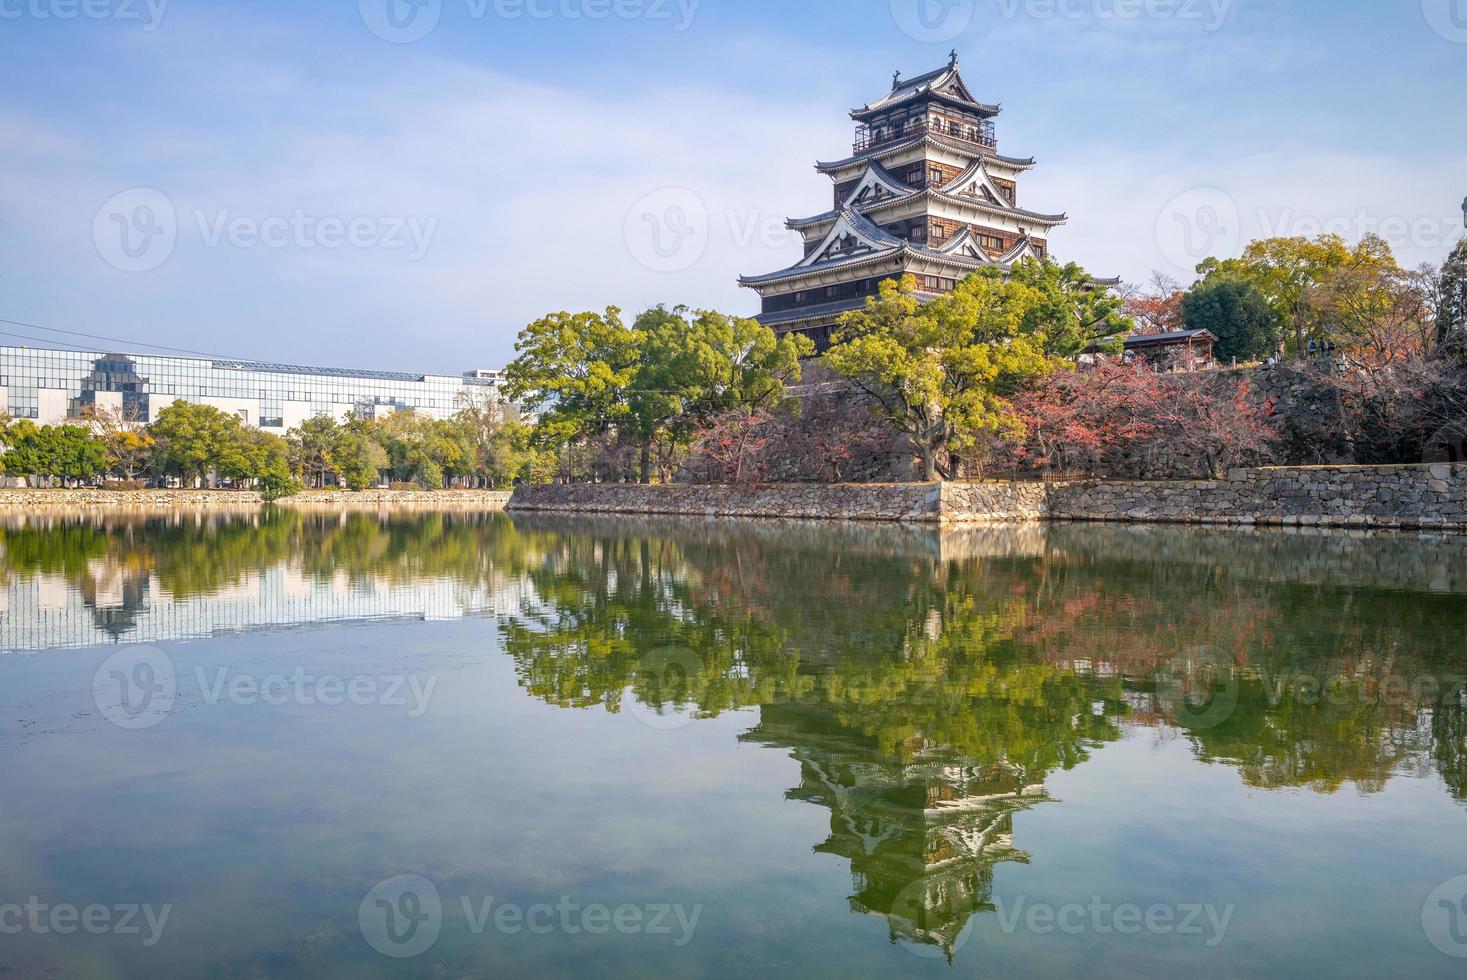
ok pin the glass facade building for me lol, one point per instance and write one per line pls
(51, 386)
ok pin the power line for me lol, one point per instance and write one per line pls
(111, 340)
(43, 340)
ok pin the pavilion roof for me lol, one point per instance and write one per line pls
(945, 83)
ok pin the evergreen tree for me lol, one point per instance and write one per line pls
(1238, 314)
(1452, 314)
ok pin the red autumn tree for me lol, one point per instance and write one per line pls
(1127, 420)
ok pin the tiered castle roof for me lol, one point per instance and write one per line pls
(963, 185)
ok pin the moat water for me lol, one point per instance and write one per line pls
(444, 745)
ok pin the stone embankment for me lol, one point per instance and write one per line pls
(1432, 496)
(1325, 496)
(14, 500)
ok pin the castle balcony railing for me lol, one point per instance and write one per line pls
(871, 137)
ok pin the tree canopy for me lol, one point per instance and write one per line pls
(942, 371)
(1238, 314)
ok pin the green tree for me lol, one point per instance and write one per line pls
(260, 458)
(66, 452)
(1290, 272)
(1237, 314)
(359, 459)
(700, 364)
(941, 371)
(192, 439)
(22, 449)
(576, 370)
(76, 453)
(311, 446)
(1452, 305)
(1069, 310)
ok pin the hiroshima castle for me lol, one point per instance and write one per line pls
(925, 192)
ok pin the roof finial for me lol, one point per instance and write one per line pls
(896, 79)
(954, 62)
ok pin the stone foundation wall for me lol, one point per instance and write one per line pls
(1433, 496)
(1327, 496)
(913, 502)
(233, 500)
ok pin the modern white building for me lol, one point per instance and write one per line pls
(51, 386)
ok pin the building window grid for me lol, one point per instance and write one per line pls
(27, 372)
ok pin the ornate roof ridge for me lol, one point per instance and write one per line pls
(929, 83)
(965, 237)
(892, 149)
(900, 189)
(1007, 209)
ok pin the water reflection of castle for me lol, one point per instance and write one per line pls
(115, 603)
(922, 836)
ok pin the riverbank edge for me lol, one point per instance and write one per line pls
(1415, 497)
(164, 500)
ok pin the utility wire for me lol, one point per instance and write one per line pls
(111, 340)
(43, 340)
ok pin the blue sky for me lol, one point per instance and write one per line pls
(310, 183)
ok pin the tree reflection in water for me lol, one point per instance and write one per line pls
(928, 686)
(927, 683)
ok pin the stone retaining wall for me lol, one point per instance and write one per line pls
(1326, 496)
(233, 500)
(914, 502)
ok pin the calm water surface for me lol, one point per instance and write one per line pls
(454, 745)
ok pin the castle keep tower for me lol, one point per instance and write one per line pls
(924, 192)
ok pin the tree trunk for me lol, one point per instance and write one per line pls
(929, 463)
(647, 460)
